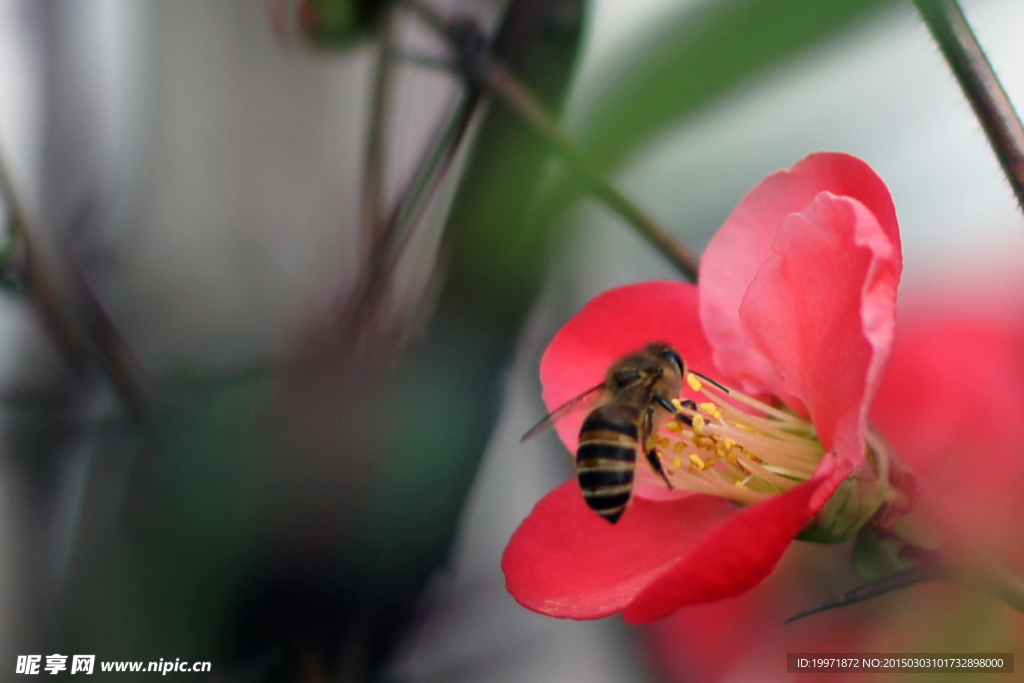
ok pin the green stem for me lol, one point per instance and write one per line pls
(874, 589)
(981, 86)
(517, 96)
(371, 207)
(979, 571)
(480, 67)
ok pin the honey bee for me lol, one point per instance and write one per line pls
(622, 419)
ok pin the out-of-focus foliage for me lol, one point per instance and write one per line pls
(295, 524)
(694, 55)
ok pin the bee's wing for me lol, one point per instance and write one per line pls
(572, 405)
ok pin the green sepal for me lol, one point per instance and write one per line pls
(876, 557)
(847, 511)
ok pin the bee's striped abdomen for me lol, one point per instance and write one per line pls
(606, 458)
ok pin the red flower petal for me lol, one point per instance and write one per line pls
(747, 241)
(565, 561)
(822, 310)
(951, 407)
(614, 324)
(954, 384)
(738, 554)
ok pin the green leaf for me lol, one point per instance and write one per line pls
(694, 56)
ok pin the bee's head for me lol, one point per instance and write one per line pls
(666, 352)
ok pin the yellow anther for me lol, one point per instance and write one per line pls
(711, 409)
(677, 463)
(698, 424)
(679, 447)
(674, 426)
(703, 442)
(728, 444)
(663, 441)
(696, 461)
(694, 383)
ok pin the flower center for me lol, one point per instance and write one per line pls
(734, 446)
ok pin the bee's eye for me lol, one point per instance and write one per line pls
(671, 355)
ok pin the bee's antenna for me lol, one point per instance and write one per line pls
(709, 380)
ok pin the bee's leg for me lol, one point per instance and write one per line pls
(649, 451)
(667, 405)
(655, 460)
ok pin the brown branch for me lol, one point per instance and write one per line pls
(516, 95)
(981, 86)
(95, 340)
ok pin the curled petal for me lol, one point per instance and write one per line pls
(614, 324)
(823, 311)
(565, 561)
(746, 242)
(739, 553)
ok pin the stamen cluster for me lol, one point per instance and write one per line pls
(735, 446)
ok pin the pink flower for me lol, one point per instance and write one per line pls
(951, 405)
(795, 311)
